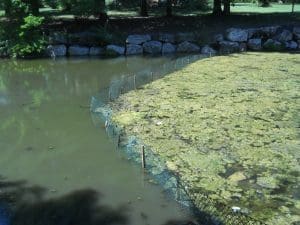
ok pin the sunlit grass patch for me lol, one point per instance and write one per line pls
(229, 126)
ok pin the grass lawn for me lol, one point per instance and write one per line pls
(253, 8)
(229, 126)
(243, 8)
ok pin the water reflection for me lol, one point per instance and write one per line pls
(71, 169)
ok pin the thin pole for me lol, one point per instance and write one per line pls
(143, 157)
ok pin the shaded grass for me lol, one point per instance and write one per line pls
(229, 126)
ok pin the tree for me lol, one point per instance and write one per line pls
(33, 5)
(144, 8)
(169, 8)
(217, 9)
(226, 10)
(7, 7)
(293, 6)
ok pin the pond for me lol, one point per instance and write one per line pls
(57, 164)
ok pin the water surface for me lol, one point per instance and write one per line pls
(57, 166)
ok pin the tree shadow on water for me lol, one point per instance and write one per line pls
(21, 204)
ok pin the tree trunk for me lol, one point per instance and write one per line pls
(35, 5)
(169, 8)
(144, 9)
(226, 7)
(217, 10)
(7, 7)
(293, 6)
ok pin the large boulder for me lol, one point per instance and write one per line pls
(114, 50)
(291, 45)
(132, 49)
(218, 38)
(152, 47)
(187, 47)
(76, 50)
(227, 47)
(269, 31)
(296, 32)
(284, 36)
(255, 44)
(181, 37)
(56, 50)
(254, 33)
(273, 45)
(236, 35)
(207, 50)
(96, 51)
(164, 37)
(138, 39)
(168, 48)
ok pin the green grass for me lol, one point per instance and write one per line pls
(241, 8)
(228, 126)
(253, 8)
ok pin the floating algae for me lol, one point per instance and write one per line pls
(216, 114)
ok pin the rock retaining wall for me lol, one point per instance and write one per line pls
(271, 38)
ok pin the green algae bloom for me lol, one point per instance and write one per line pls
(229, 127)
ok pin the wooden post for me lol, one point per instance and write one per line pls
(152, 78)
(134, 82)
(119, 140)
(143, 157)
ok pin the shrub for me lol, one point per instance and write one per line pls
(28, 41)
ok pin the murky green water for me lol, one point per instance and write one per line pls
(57, 166)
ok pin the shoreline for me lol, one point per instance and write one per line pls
(127, 112)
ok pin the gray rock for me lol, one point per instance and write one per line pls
(254, 44)
(77, 50)
(236, 34)
(56, 50)
(96, 51)
(163, 37)
(168, 48)
(284, 36)
(181, 37)
(296, 32)
(207, 50)
(229, 47)
(269, 31)
(243, 47)
(253, 33)
(291, 45)
(4, 49)
(187, 47)
(218, 38)
(152, 47)
(58, 38)
(273, 45)
(114, 50)
(132, 49)
(138, 39)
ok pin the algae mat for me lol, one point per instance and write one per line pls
(229, 126)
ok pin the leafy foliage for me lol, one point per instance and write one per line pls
(28, 40)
